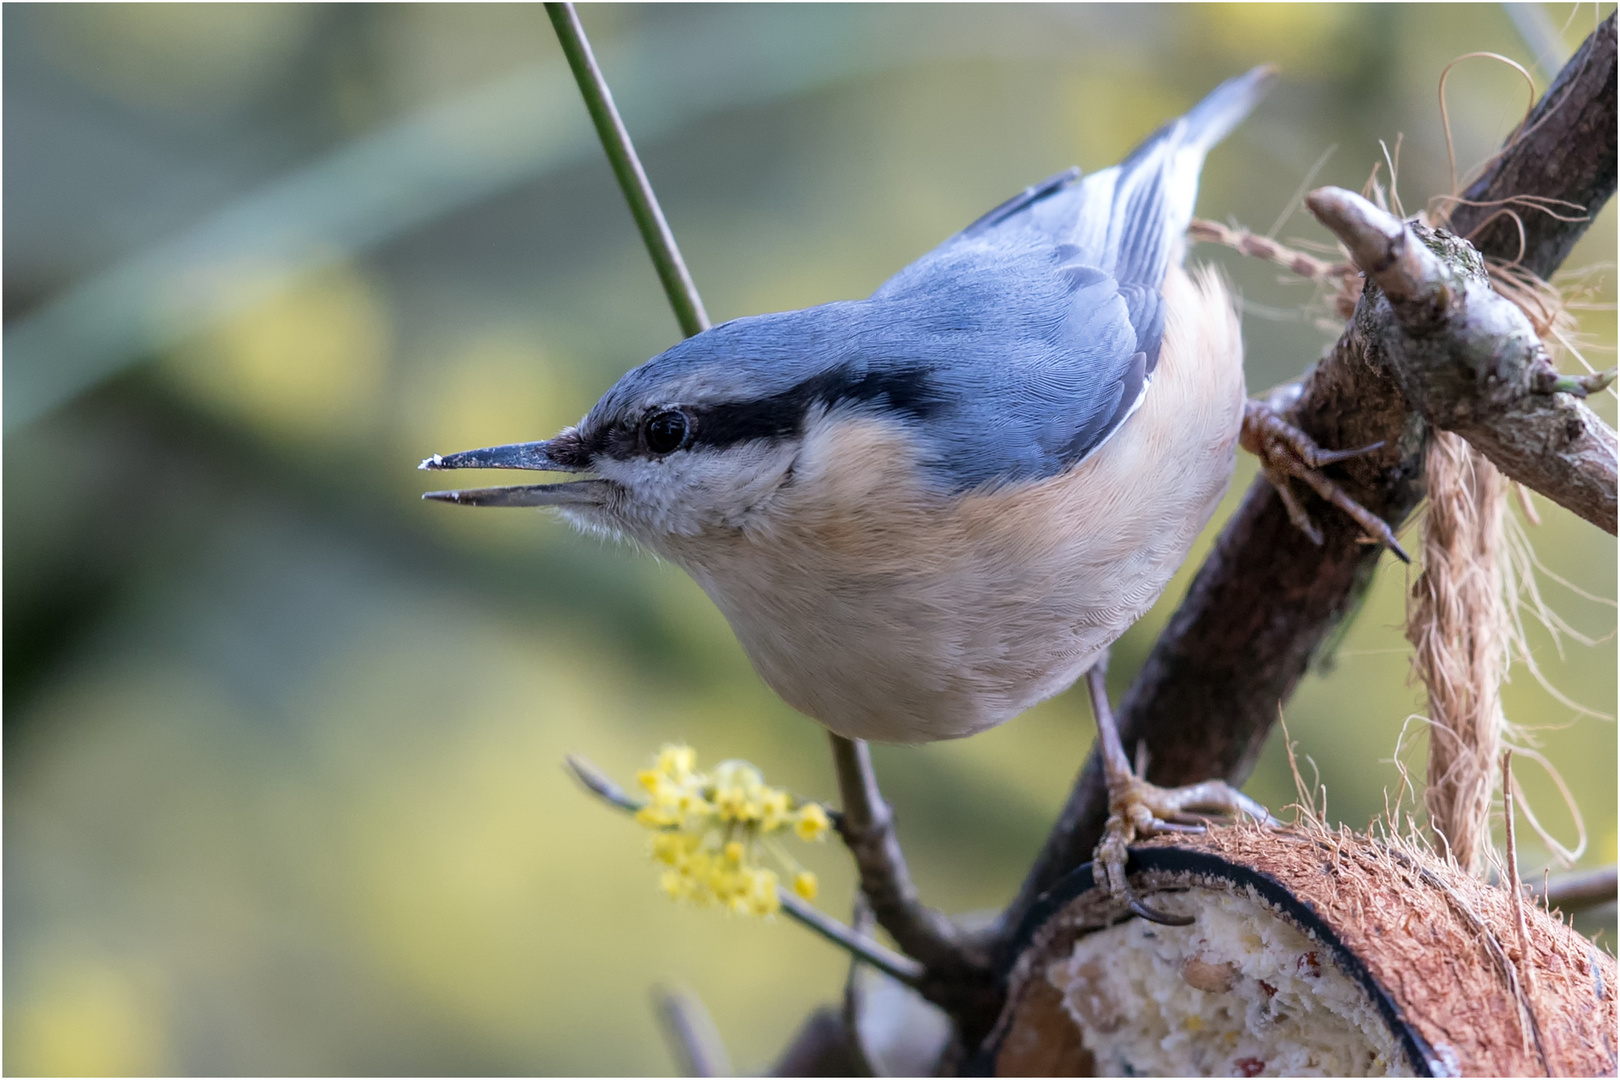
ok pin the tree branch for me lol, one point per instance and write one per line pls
(867, 826)
(858, 945)
(1564, 150)
(690, 1032)
(1263, 603)
(1469, 360)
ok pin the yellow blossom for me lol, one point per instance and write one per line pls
(775, 804)
(709, 827)
(655, 817)
(811, 823)
(677, 760)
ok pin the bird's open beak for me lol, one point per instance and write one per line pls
(540, 456)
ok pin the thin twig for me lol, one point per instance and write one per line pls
(856, 989)
(690, 1031)
(867, 826)
(891, 963)
(655, 231)
(864, 948)
(601, 785)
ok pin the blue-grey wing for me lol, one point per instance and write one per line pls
(1088, 257)
(1035, 356)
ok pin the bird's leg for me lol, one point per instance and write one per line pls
(1139, 809)
(1287, 452)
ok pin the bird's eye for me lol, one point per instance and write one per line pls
(665, 431)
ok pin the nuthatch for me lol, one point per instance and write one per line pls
(925, 511)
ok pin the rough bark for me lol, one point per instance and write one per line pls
(1564, 150)
(1469, 360)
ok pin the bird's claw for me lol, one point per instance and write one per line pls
(1154, 915)
(1138, 809)
(1286, 452)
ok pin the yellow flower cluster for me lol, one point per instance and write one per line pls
(711, 827)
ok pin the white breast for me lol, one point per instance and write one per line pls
(890, 613)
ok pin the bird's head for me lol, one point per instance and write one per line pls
(701, 436)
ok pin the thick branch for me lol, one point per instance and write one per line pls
(1264, 602)
(1469, 360)
(1256, 612)
(824, 1045)
(1565, 150)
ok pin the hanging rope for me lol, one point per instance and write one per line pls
(1458, 622)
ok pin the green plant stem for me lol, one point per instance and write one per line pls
(655, 231)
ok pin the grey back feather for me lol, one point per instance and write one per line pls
(1018, 345)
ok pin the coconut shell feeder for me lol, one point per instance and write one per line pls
(1311, 953)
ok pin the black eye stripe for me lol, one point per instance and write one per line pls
(907, 390)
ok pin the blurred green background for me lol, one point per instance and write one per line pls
(283, 784)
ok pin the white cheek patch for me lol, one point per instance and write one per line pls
(697, 489)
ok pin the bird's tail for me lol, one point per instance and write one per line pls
(1131, 219)
(1208, 122)
(1151, 193)
(1226, 106)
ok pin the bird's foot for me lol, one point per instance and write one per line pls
(1286, 452)
(1138, 809)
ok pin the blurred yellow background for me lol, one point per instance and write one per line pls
(283, 745)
